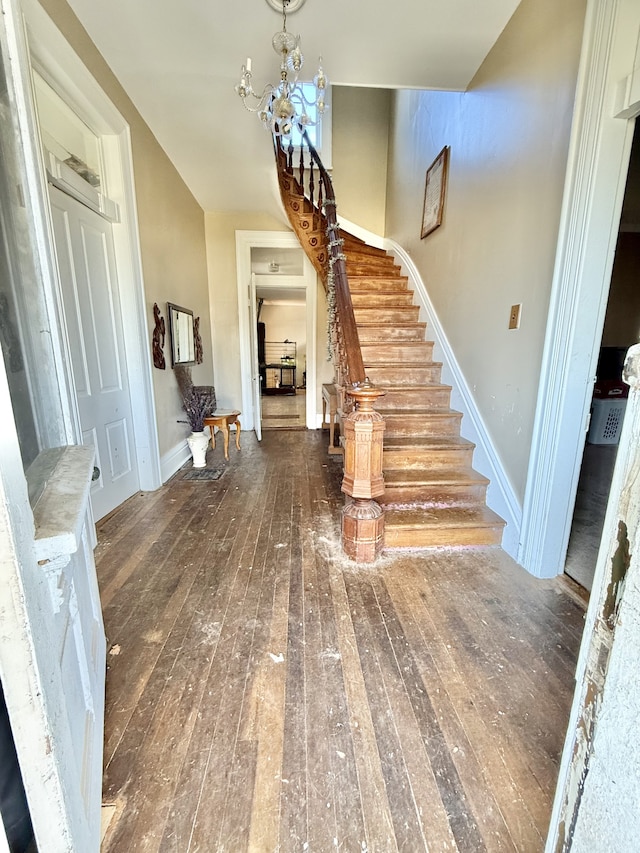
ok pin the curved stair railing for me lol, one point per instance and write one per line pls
(313, 216)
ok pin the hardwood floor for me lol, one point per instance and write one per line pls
(287, 411)
(264, 694)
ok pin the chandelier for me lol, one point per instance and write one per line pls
(285, 107)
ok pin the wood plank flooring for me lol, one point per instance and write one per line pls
(265, 694)
(284, 411)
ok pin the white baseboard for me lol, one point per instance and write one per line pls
(174, 460)
(501, 497)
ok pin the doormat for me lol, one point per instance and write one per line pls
(203, 474)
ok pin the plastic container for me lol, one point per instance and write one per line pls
(606, 421)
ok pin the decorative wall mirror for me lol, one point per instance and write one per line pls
(181, 331)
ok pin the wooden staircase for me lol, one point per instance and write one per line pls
(432, 497)
(432, 494)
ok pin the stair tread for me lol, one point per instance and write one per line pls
(408, 324)
(410, 365)
(423, 476)
(382, 292)
(425, 442)
(475, 515)
(422, 411)
(361, 279)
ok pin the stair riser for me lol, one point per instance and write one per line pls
(417, 353)
(401, 426)
(372, 270)
(410, 375)
(356, 257)
(385, 334)
(454, 494)
(416, 398)
(432, 537)
(375, 299)
(358, 284)
(383, 262)
(412, 426)
(387, 315)
(415, 458)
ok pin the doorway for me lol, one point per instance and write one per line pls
(278, 286)
(281, 316)
(601, 136)
(58, 70)
(621, 330)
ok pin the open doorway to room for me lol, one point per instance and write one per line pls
(281, 315)
(621, 330)
(277, 331)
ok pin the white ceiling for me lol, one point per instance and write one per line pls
(179, 63)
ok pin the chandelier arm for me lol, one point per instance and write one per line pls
(260, 100)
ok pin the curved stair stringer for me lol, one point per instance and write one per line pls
(500, 496)
(308, 223)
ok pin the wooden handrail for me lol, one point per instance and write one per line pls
(327, 256)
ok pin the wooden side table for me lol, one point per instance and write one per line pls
(330, 399)
(223, 421)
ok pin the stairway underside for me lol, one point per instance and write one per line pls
(433, 496)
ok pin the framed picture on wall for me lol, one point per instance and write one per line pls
(434, 192)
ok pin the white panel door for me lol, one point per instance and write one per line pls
(84, 246)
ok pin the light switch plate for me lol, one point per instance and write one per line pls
(514, 316)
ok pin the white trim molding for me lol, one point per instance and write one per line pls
(56, 61)
(245, 241)
(594, 187)
(174, 459)
(501, 496)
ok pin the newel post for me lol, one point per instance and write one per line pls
(362, 517)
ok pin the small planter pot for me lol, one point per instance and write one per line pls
(198, 443)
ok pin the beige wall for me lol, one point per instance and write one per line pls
(509, 139)
(360, 150)
(220, 231)
(171, 224)
(221, 254)
(285, 321)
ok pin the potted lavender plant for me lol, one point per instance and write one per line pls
(197, 407)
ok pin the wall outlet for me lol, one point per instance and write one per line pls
(514, 316)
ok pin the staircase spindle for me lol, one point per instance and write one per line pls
(311, 182)
(290, 157)
(302, 167)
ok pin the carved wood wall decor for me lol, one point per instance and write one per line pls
(158, 339)
(197, 341)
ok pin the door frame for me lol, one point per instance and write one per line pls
(30, 652)
(56, 61)
(606, 99)
(245, 241)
